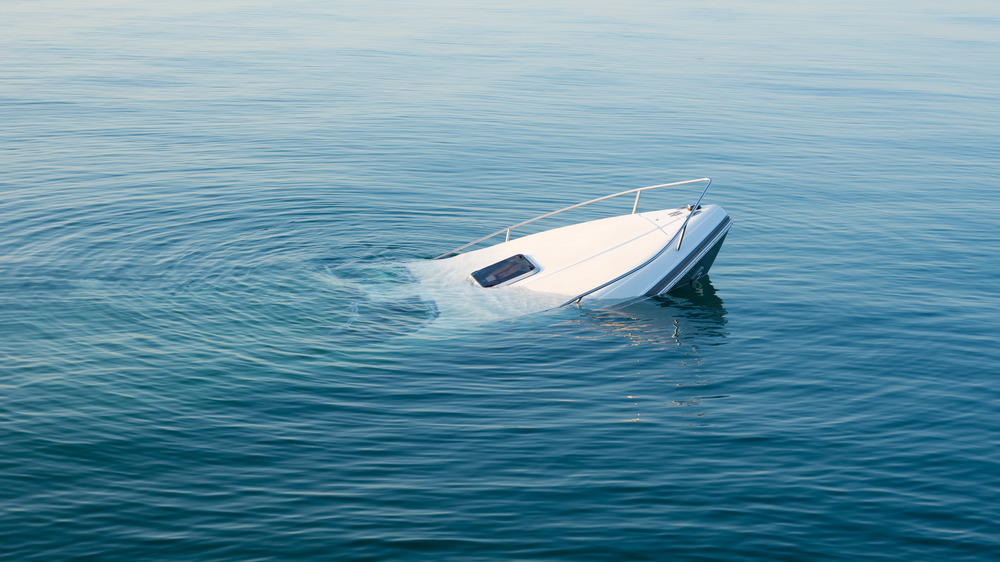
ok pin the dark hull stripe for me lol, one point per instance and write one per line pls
(710, 242)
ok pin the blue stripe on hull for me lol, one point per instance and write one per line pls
(670, 281)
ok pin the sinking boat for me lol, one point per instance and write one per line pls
(618, 258)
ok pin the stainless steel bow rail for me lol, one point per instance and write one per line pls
(635, 206)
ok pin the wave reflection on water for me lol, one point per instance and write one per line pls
(688, 316)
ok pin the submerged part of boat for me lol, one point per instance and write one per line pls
(618, 258)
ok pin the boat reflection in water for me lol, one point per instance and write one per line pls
(669, 380)
(690, 316)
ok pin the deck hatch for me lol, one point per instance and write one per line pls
(505, 271)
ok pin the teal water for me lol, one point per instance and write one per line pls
(211, 347)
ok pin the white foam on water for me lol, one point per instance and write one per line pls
(424, 299)
(462, 303)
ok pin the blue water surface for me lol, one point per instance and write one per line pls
(212, 348)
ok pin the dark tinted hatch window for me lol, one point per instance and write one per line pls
(503, 271)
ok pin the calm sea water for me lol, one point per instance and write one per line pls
(211, 347)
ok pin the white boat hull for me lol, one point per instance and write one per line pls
(617, 258)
